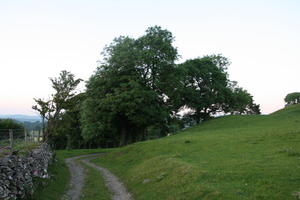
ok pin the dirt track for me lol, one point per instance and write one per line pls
(114, 185)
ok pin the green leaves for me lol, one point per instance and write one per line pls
(204, 85)
(292, 98)
(206, 89)
(10, 124)
(129, 91)
(52, 110)
(241, 102)
(138, 86)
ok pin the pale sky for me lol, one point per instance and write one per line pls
(40, 38)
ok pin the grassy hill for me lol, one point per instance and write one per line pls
(232, 157)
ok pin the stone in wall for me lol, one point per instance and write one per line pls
(17, 172)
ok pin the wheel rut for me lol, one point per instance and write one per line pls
(77, 181)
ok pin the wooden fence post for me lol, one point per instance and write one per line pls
(11, 140)
(39, 135)
(25, 133)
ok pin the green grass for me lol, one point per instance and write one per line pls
(232, 157)
(19, 146)
(54, 188)
(94, 188)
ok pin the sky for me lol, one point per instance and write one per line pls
(40, 38)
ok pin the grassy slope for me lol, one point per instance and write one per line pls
(233, 157)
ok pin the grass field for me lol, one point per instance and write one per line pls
(232, 157)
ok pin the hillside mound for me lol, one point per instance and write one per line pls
(231, 157)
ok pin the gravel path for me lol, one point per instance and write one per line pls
(77, 178)
(114, 185)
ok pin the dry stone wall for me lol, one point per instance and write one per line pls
(18, 172)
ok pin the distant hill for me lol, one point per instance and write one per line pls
(22, 118)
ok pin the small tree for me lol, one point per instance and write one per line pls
(292, 98)
(52, 109)
(43, 107)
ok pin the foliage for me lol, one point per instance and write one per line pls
(37, 125)
(137, 93)
(292, 98)
(204, 85)
(52, 109)
(240, 101)
(44, 109)
(128, 93)
(206, 89)
(10, 124)
(68, 131)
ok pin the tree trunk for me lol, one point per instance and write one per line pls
(123, 136)
(130, 138)
(43, 128)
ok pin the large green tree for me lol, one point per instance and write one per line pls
(129, 91)
(292, 98)
(138, 88)
(206, 90)
(137, 92)
(204, 85)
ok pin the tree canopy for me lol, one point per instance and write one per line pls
(241, 102)
(204, 85)
(138, 91)
(292, 98)
(138, 86)
(206, 90)
(52, 110)
(129, 91)
(10, 124)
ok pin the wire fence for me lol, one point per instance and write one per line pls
(14, 139)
